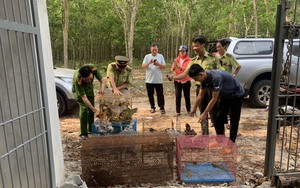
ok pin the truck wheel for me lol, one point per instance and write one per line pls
(260, 93)
(61, 104)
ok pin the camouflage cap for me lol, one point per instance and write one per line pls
(121, 60)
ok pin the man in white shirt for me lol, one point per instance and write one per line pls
(154, 63)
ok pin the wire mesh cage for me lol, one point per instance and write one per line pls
(204, 159)
(127, 159)
(114, 108)
(154, 124)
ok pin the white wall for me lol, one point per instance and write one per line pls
(50, 84)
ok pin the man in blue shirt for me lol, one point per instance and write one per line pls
(231, 93)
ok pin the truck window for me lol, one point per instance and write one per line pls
(263, 47)
(296, 49)
(253, 48)
(244, 47)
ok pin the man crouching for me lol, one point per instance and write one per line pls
(231, 93)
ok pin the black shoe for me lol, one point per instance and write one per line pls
(84, 136)
(162, 111)
(152, 110)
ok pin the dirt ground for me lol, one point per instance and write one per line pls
(251, 143)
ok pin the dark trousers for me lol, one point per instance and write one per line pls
(233, 105)
(86, 115)
(185, 87)
(160, 95)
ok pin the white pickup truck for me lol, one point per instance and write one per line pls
(256, 56)
(63, 84)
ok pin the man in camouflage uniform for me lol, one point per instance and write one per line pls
(83, 90)
(119, 75)
(227, 60)
(208, 62)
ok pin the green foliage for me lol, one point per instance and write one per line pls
(96, 32)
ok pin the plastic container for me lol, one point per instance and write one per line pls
(119, 126)
(95, 129)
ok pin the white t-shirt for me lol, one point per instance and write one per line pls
(154, 73)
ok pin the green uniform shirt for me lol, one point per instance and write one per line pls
(119, 77)
(228, 62)
(209, 62)
(80, 87)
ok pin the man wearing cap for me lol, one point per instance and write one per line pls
(154, 63)
(179, 65)
(83, 91)
(119, 75)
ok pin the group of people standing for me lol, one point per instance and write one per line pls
(218, 92)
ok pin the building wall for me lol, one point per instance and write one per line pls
(30, 140)
(54, 119)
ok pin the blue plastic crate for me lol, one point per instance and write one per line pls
(193, 172)
(94, 129)
(118, 126)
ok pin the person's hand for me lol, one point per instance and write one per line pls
(101, 93)
(151, 61)
(193, 113)
(97, 114)
(117, 92)
(170, 78)
(202, 118)
(176, 66)
(175, 63)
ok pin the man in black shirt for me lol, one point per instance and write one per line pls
(231, 93)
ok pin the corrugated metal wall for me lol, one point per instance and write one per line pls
(24, 156)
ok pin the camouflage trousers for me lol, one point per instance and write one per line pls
(213, 113)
